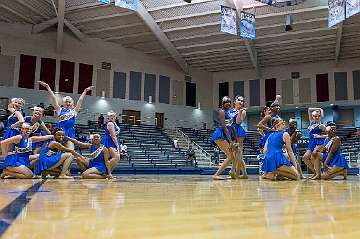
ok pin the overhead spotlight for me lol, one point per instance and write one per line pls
(289, 22)
(188, 1)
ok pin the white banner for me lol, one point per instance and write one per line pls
(336, 12)
(247, 25)
(228, 20)
(352, 7)
(129, 4)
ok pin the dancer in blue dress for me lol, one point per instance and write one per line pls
(98, 164)
(17, 152)
(240, 114)
(111, 137)
(265, 123)
(16, 117)
(334, 162)
(54, 155)
(67, 114)
(38, 127)
(295, 136)
(223, 136)
(276, 163)
(263, 133)
(316, 140)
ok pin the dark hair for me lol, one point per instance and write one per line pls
(263, 111)
(238, 96)
(225, 99)
(330, 123)
(275, 121)
(55, 130)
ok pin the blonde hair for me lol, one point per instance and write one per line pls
(111, 112)
(25, 125)
(68, 98)
(37, 108)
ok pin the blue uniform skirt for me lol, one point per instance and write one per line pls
(16, 160)
(315, 142)
(240, 132)
(46, 162)
(273, 161)
(219, 134)
(100, 166)
(108, 142)
(338, 160)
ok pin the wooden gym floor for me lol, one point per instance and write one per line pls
(179, 207)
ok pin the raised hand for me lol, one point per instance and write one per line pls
(44, 84)
(89, 88)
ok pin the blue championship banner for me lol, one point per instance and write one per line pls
(336, 12)
(247, 25)
(228, 20)
(105, 1)
(129, 4)
(352, 7)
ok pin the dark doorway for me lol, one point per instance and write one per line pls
(131, 117)
(159, 120)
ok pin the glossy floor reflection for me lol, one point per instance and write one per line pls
(184, 207)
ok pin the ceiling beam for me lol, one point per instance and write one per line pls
(160, 35)
(38, 28)
(181, 17)
(295, 41)
(197, 53)
(85, 6)
(19, 15)
(128, 36)
(105, 17)
(114, 28)
(60, 29)
(177, 5)
(81, 36)
(31, 8)
(210, 43)
(339, 31)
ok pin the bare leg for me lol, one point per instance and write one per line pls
(225, 147)
(65, 160)
(19, 172)
(333, 172)
(69, 145)
(315, 159)
(307, 160)
(33, 159)
(92, 173)
(288, 172)
(83, 164)
(240, 161)
(115, 157)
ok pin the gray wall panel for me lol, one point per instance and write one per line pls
(119, 85)
(149, 87)
(164, 89)
(356, 77)
(255, 93)
(340, 85)
(135, 85)
(238, 88)
(103, 82)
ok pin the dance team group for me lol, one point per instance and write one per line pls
(278, 144)
(31, 150)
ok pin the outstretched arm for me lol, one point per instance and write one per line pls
(81, 99)
(53, 98)
(5, 144)
(20, 120)
(43, 127)
(263, 123)
(41, 138)
(60, 147)
(287, 140)
(81, 144)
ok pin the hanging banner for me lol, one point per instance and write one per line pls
(105, 1)
(129, 4)
(228, 20)
(336, 12)
(247, 25)
(352, 7)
